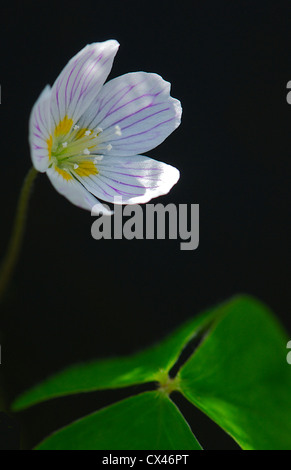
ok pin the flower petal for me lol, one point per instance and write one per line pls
(81, 80)
(39, 126)
(141, 107)
(131, 180)
(76, 193)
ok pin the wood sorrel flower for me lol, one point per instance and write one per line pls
(87, 136)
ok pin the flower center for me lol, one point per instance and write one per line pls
(74, 151)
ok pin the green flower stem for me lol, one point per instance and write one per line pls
(14, 246)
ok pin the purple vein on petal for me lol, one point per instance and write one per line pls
(36, 125)
(118, 191)
(102, 106)
(102, 65)
(40, 117)
(125, 184)
(130, 102)
(100, 183)
(127, 168)
(130, 175)
(37, 147)
(133, 114)
(154, 172)
(85, 58)
(128, 88)
(83, 90)
(143, 132)
(96, 183)
(37, 135)
(146, 117)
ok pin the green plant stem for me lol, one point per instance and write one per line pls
(15, 242)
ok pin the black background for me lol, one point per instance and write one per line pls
(74, 298)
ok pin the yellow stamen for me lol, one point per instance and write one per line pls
(67, 176)
(86, 168)
(67, 146)
(64, 126)
(49, 146)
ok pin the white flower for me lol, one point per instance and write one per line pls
(88, 136)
